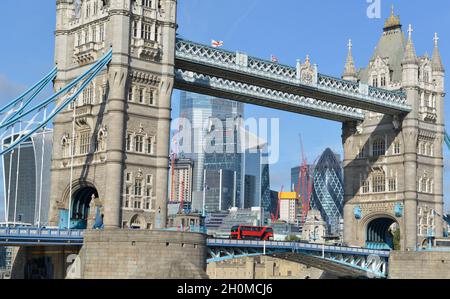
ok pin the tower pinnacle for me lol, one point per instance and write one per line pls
(410, 52)
(436, 60)
(349, 70)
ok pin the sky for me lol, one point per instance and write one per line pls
(289, 29)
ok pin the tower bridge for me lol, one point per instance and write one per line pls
(118, 63)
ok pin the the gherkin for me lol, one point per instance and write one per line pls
(328, 191)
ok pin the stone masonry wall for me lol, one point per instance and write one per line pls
(123, 254)
(419, 265)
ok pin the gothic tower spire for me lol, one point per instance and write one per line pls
(350, 70)
(436, 60)
(410, 51)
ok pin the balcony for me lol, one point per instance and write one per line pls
(88, 52)
(146, 49)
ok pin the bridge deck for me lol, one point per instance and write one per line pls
(213, 64)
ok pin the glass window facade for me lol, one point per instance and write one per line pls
(328, 191)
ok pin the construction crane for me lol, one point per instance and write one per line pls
(276, 217)
(305, 184)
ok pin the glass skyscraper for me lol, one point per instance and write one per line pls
(26, 179)
(328, 191)
(212, 126)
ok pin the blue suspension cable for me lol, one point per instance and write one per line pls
(96, 69)
(50, 75)
(46, 102)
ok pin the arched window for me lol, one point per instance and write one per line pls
(383, 80)
(423, 185)
(365, 187)
(137, 222)
(379, 182)
(65, 146)
(379, 147)
(397, 148)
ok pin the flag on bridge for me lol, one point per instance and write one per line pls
(273, 58)
(216, 44)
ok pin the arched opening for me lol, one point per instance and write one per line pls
(137, 222)
(80, 206)
(383, 233)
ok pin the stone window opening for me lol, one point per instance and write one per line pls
(147, 3)
(378, 147)
(383, 80)
(146, 32)
(379, 182)
(139, 143)
(397, 148)
(362, 153)
(85, 142)
(88, 95)
(392, 184)
(365, 187)
(141, 95)
(129, 142)
(65, 144)
(130, 94)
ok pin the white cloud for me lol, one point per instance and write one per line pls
(9, 89)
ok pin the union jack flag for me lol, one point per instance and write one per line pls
(273, 58)
(216, 44)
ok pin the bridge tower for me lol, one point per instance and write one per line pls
(111, 149)
(394, 164)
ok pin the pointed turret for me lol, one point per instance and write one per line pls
(410, 56)
(410, 63)
(350, 70)
(436, 60)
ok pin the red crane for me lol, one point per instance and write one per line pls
(276, 217)
(305, 184)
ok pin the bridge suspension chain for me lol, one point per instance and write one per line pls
(72, 91)
(21, 115)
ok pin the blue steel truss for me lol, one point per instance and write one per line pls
(253, 94)
(30, 119)
(373, 263)
(205, 60)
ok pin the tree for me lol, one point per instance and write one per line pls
(292, 238)
(396, 240)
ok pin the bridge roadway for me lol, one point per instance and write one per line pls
(336, 260)
(240, 77)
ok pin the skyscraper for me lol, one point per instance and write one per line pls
(26, 179)
(198, 110)
(219, 143)
(328, 190)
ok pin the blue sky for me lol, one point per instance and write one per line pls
(289, 29)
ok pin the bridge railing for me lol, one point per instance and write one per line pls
(40, 232)
(296, 246)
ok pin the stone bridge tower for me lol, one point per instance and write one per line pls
(394, 165)
(119, 152)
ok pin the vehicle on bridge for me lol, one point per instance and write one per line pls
(257, 233)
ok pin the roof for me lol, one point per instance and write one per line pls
(391, 47)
